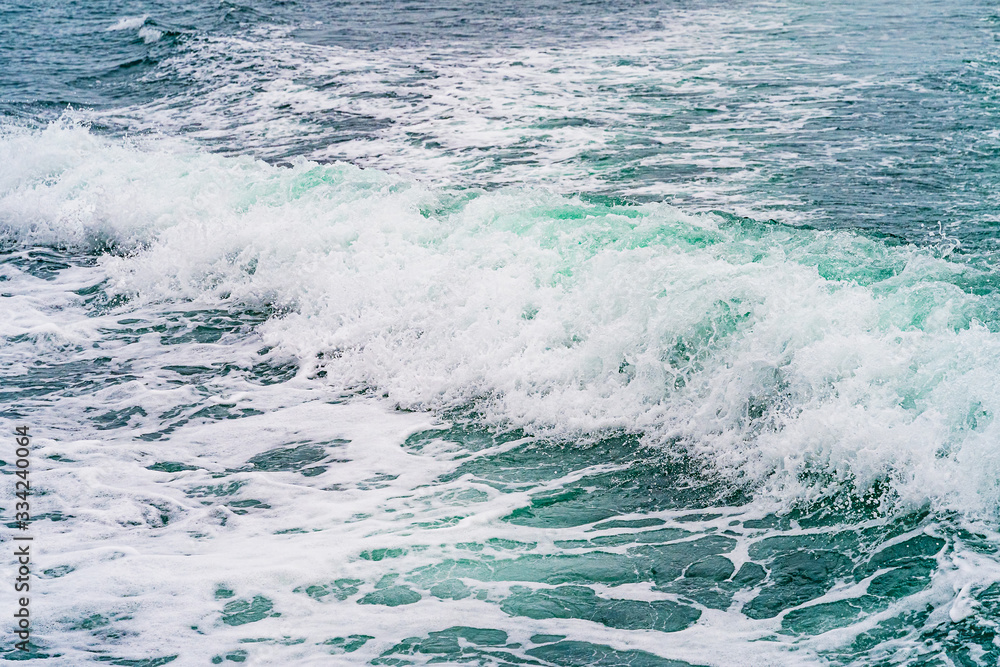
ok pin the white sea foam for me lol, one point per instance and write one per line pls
(702, 111)
(163, 544)
(526, 115)
(767, 350)
(128, 23)
(150, 35)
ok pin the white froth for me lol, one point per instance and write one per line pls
(150, 35)
(527, 115)
(551, 314)
(128, 23)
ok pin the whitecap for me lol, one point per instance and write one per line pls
(128, 23)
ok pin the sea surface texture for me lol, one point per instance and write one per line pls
(536, 332)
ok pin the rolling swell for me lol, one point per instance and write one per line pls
(779, 354)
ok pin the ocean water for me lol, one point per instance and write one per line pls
(550, 333)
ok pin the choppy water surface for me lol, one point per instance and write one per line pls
(534, 333)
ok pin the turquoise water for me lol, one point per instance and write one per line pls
(500, 334)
